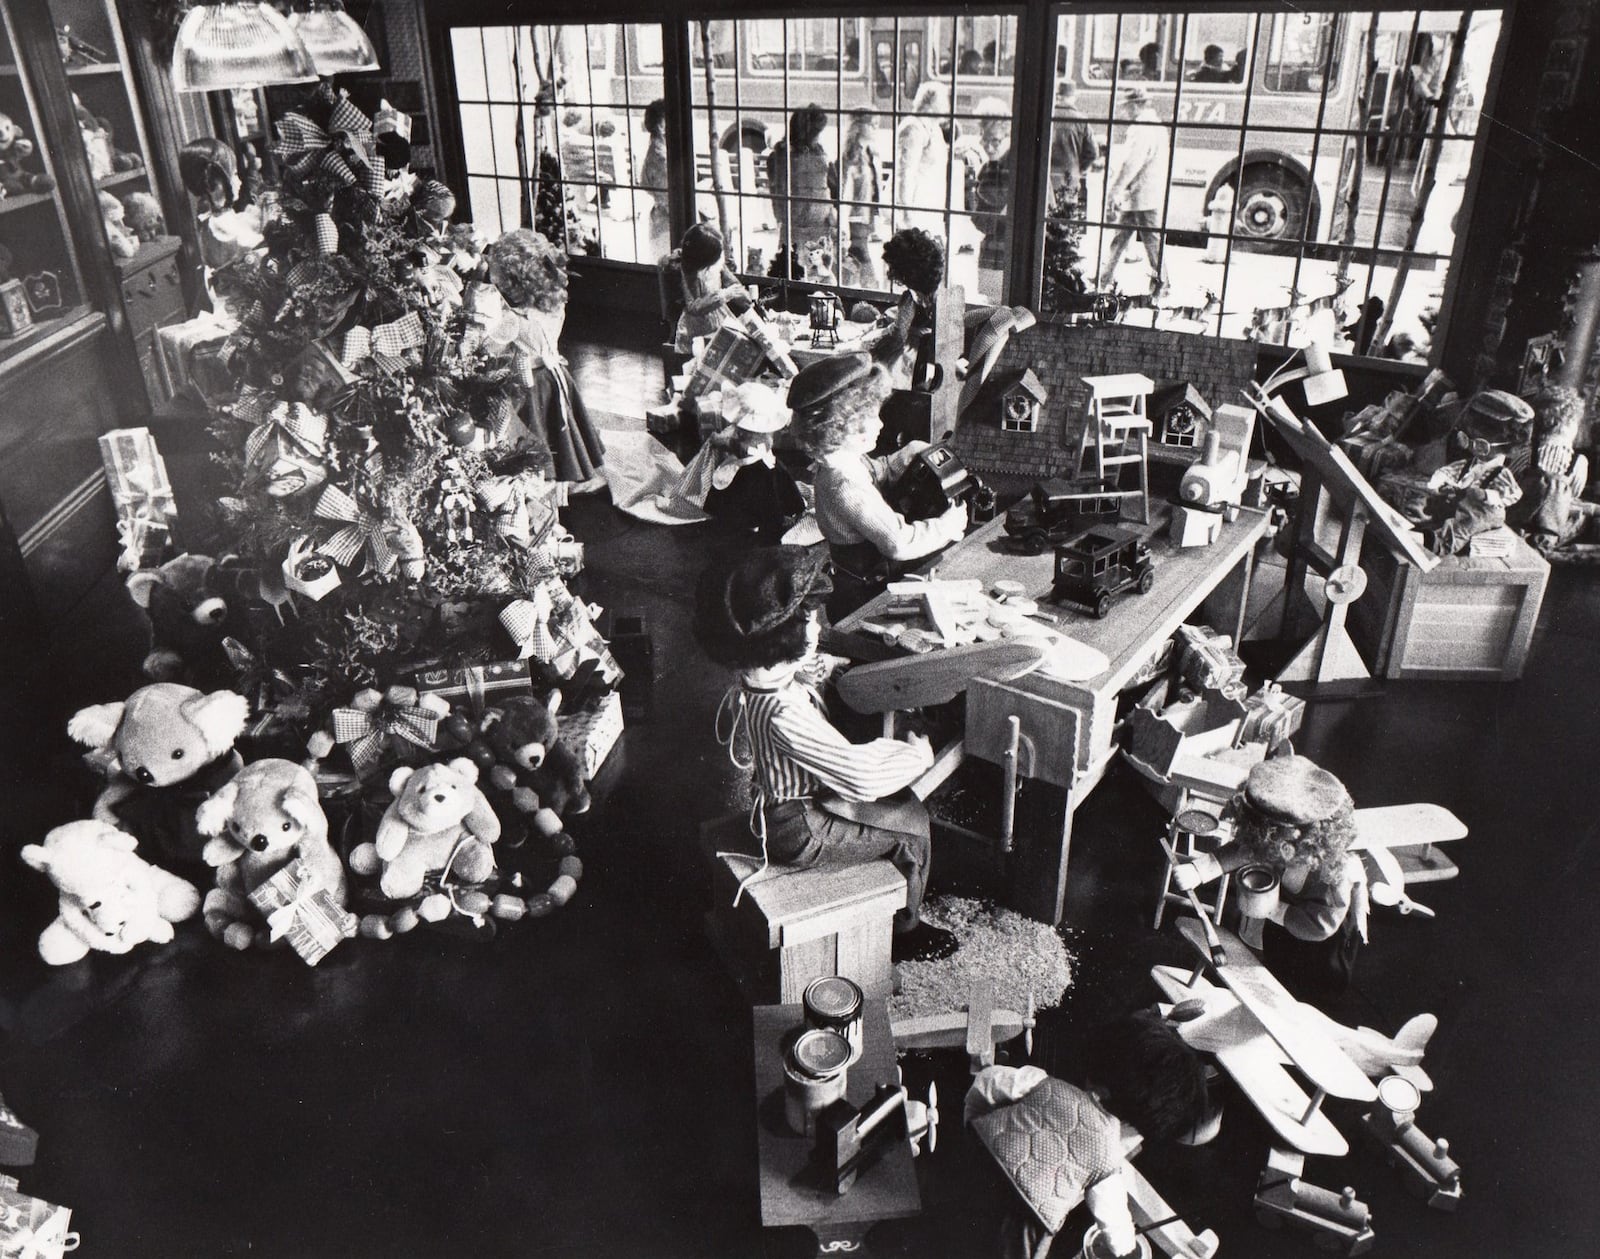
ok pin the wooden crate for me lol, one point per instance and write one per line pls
(1468, 618)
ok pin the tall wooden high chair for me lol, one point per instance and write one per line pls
(1117, 433)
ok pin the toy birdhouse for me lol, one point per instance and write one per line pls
(1021, 396)
(1181, 416)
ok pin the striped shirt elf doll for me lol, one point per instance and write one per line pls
(819, 799)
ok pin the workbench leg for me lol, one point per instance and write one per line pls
(1038, 878)
(1248, 565)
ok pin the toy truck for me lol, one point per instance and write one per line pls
(1056, 510)
(1098, 565)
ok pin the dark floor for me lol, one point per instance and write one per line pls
(582, 1087)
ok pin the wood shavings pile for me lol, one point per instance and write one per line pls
(1013, 955)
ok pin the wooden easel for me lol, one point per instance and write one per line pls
(1328, 474)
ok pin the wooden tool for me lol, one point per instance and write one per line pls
(935, 678)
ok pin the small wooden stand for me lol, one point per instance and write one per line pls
(1117, 433)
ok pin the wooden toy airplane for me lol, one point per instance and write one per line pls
(981, 1028)
(1396, 843)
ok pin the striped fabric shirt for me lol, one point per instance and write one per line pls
(796, 751)
(851, 508)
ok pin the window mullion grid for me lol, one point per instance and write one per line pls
(1308, 229)
(1244, 126)
(1390, 140)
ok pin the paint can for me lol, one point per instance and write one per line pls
(815, 1069)
(1095, 1248)
(1258, 891)
(835, 1004)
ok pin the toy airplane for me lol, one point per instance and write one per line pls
(980, 1029)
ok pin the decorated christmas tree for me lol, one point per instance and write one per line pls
(1064, 283)
(393, 520)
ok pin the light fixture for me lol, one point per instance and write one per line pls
(1320, 380)
(334, 39)
(237, 44)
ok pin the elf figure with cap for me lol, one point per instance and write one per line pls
(735, 477)
(819, 799)
(1470, 495)
(836, 401)
(1297, 819)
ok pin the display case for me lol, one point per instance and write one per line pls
(85, 295)
(41, 286)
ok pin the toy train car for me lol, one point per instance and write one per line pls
(1337, 1221)
(1425, 1165)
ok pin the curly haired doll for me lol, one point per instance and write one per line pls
(836, 401)
(531, 274)
(1297, 819)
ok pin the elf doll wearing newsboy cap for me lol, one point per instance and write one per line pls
(819, 798)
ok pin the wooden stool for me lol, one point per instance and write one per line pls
(793, 926)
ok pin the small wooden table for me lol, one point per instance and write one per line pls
(792, 1194)
(1073, 715)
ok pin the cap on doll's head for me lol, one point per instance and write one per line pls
(752, 611)
(1494, 415)
(817, 382)
(1295, 790)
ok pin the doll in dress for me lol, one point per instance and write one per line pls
(735, 478)
(531, 274)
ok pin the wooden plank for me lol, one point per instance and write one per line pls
(863, 953)
(797, 905)
(980, 1023)
(945, 762)
(1276, 1010)
(935, 678)
(1402, 825)
(1148, 1207)
(1051, 730)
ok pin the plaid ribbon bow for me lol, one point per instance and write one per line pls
(295, 427)
(527, 621)
(387, 342)
(346, 144)
(363, 732)
(360, 529)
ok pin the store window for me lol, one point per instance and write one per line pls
(816, 139)
(562, 130)
(1285, 175)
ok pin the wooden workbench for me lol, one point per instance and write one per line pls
(1129, 637)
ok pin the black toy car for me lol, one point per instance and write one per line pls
(1099, 563)
(1055, 511)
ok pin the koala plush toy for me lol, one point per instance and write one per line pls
(164, 751)
(265, 818)
(439, 822)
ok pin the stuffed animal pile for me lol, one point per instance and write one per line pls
(179, 800)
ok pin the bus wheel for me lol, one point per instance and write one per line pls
(1272, 204)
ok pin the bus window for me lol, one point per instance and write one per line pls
(1217, 47)
(1298, 50)
(983, 46)
(721, 33)
(813, 46)
(1129, 46)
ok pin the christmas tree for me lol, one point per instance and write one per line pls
(391, 517)
(1064, 283)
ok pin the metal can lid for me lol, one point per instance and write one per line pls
(820, 1053)
(832, 997)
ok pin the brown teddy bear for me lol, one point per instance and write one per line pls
(265, 818)
(439, 823)
(533, 765)
(163, 751)
(190, 614)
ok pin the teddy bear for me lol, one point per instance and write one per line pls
(187, 602)
(14, 148)
(111, 899)
(265, 818)
(124, 244)
(533, 764)
(439, 822)
(164, 751)
(144, 217)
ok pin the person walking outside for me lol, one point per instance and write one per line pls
(1137, 186)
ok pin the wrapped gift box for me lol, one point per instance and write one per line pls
(484, 682)
(591, 732)
(141, 495)
(730, 358)
(300, 910)
(31, 1228)
(1271, 715)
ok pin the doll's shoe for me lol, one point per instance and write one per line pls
(923, 943)
(18, 1142)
